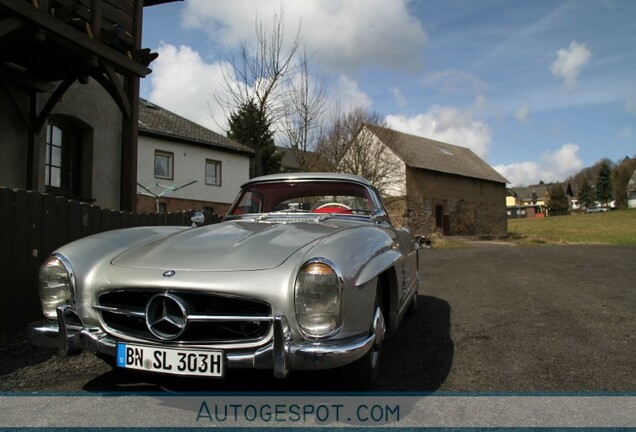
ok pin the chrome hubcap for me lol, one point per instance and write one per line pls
(379, 329)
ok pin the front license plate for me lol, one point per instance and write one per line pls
(170, 361)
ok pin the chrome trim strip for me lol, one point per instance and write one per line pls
(281, 365)
(71, 275)
(225, 318)
(121, 311)
(209, 318)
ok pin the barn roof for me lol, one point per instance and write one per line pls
(425, 153)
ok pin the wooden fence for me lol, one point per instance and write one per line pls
(32, 225)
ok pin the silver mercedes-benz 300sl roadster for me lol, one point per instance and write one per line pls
(306, 272)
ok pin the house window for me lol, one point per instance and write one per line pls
(61, 173)
(164, 164)
(212, 172)
(162, 207)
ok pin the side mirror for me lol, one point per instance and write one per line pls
(197, 219)
(379, 216)
(424, 242)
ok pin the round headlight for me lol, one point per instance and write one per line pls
(318, 299)
(56, 285)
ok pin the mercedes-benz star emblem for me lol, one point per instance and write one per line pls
(166, 316)
(169, 273)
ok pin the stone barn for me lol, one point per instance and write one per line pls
(437, 187)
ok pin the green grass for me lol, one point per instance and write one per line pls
(615, 228)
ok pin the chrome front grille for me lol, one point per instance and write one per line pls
(209, 318)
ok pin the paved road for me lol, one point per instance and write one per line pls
(516, 319)
(492, 317)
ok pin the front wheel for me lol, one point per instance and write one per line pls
(363, 374)
(412, 308)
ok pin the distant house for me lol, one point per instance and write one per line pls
(532, 201)
(299, 160)
(184, 166)
(631, 192)
(288, 161)
(439, 187)
(527, 202)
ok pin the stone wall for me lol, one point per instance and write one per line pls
(450, 205)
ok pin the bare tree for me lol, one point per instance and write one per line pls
(260, 75)
(336, 139)
(306, 107)
(359, 143)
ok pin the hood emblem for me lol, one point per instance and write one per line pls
(166, 316)
(169, 273)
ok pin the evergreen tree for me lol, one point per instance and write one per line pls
(586, 195)
(558, 203)
(604, 183)
(250, 127)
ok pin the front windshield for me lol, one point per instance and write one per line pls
(304, 197)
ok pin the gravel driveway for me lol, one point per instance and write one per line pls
(492, 317)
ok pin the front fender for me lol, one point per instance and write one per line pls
(377, 265)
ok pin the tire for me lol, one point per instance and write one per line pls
(412, 309)
(363, 374)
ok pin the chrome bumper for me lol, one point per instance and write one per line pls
(280, 355)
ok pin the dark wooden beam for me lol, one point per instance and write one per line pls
(158, 2)
(130, 131)
(9, 24)
(33, 146)
(74, 39)
(111, 83)
(42, 116)
(15, 97)
(128, 194)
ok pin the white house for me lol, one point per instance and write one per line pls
(631, 192)
(183, 166)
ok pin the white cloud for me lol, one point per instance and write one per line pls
(553, 167)
(447, 124)
(184, 83)
(522, 113)
(562, 163)
(349, 93)
(569, 63)
(520, 173)
(345, 34)
(399, 96)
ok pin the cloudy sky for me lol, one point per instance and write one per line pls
(539, 89)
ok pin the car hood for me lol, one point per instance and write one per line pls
(228, 246)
